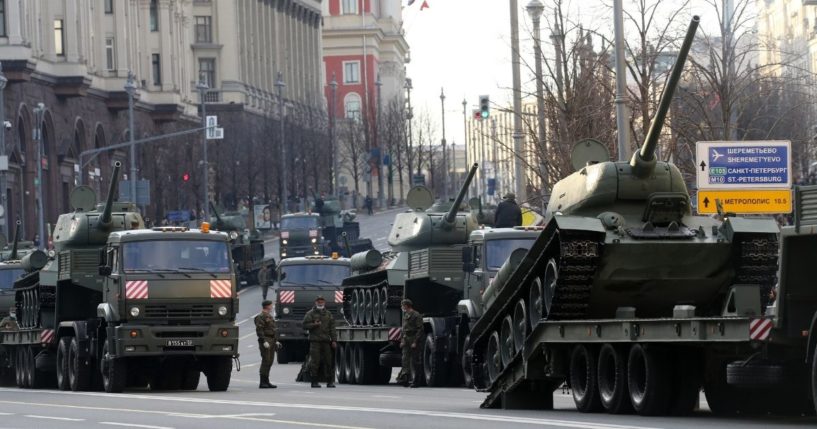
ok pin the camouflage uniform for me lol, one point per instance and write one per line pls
(267, 332)
(412, 334)
(321, 337)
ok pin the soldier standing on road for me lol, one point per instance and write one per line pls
(322, 342)
(412, 333)
(267, 342)
(508, 214)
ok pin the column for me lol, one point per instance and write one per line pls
(71, 33)
(16, 15)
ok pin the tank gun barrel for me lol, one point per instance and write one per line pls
(215, 213)
(105, 218)
(16, 242)
(452, 213)
(643, 161)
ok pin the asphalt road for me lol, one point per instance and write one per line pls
(296, 405)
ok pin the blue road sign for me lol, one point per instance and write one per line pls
(739, 164)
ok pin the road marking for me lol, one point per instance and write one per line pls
(390, 411)
(247, 288)
(247, 319)
(6, 414)
(132, 425)
(249, 365)
(386, 396)
(65, 419)
(247, 336)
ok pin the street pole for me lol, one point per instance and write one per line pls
(279, 86)
(380, 197)
(334, 85)
(39, 111)
(444, 168)
(3, 190)
(130, 88)
(203, 87)
(535, 9)
(410, 116)
(465, 137)
(518, 136)
(622, 116)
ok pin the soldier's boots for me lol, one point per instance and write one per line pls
(330, 385)
(315, 384)
(265, 384)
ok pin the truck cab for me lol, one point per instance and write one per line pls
(299, 282)
(301, 235)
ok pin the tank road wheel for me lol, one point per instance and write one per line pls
(520, 324)
(376, 303)
(549, 283)
(466, 358)
(535, 302)
(433, 363)
(584, 379)
(79, 372)
(218, 371)
(384, 295)
(648, 379)
(340, 367)
(612, 379)
(356, 307)
(368, 308)
(506, 344)
(62, 363)
(349, 363)
(493, 360)
(114, 371)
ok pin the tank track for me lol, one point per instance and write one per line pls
(757, 263)
(578, 260)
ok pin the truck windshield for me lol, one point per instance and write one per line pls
(315, 274)
(303, 222)
(498, 251)
(7, 277)
(178, 255)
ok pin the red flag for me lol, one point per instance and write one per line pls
(424, 5)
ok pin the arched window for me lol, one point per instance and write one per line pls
(351, 106)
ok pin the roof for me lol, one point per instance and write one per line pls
(179, 233)
(499, 233)
(311, 260)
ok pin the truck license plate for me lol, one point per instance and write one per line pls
(179, 343)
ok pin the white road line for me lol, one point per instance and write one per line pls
(65, 419)
(132, 425)
(249, 365)
(246, 289)
(386, 396)
(247, 319)
(247, 336)
(6, 414)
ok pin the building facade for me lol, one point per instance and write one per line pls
(74, 56)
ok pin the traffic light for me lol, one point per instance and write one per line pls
(484, 106)
(477, 115)
(185, 177)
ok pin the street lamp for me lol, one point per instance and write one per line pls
(334, 85)
(39, 112)
(410, 116)
(380, 197)
(465, 139)
(535, 9)
(130, 88)
(279, 86)
(203, 88)
(445, 162)
(4, 164)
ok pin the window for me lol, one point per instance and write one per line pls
(204, 29)
(300, 222)
(176, 256)
(154, 15)
(59, 38)
(2, 18)
(207, 71)
(498, 251)
(156, 65)
(352, 106)
(110, 54)
(351, 72)
(349, 7)
(108, 6)
(315, 274)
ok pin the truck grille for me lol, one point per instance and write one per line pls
(171, 311)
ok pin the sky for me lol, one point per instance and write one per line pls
(464, 46)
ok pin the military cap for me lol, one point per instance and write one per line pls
(407, 302)
(266, 303)
(320, 298)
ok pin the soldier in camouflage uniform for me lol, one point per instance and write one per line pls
(267, 342)
(322, 342)
(411, 344)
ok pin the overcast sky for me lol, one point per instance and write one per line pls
(464, 46)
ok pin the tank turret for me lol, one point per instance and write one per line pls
(420, 229)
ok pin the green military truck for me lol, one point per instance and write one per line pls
(331, 231)
(299, 282)
(119, 306)
(246, 246)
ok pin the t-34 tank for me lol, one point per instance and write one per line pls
(621, 234)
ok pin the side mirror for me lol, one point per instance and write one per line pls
(468, 259)
(282, 276)
(105, 270)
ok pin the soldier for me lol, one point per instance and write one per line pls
(412, 334)
(322, 341)
(265, 280)
(508, 214)
(267, 342)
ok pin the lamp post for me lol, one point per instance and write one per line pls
(518, 173)
(279, 87)
(535, 9)
(39, 112)
(334, 85)
(445, 157)
(130, 88)
(3, 156)
(622, 128)
(380, 197)
(465, 139)
(410, 116)
(203, 87)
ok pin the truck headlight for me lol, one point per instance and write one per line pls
(233, 235)
(286, 310)
(134, 311)
(222, 311)
(314, 240)
(284, 242)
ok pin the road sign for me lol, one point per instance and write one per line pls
(756, 201)
(748, 165)
(215, 133)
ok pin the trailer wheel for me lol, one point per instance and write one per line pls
(535, 302)
(19, 368)
(218, 372)
(814, 378)
(29, 367)
(340, 367)
(433, 363)
(549, 284)
(114, 371)
(79, 372)
(648, 379)
(364, 364)
(506, 345)
(612, 379)
(376, 303)
(466, 358)
(62, 363)
(686, 383)
(349, 363)
(520, 324)
(584, 379)
(493, 360)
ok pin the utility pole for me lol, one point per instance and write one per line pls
(203, 87)
(130, 88)
(444, 168)
(3, 155)
(729, 58)
(622, 114)
(334, 85)
(279, 86)
(39, 111)
(518, 135)
(410, 117)
(465, 139)
(535, 9)
(380, 197)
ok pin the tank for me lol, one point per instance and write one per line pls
(247, 248)
(621, 234)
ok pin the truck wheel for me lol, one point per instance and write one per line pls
(814, 378)
(506, 345)
(648, 379)
(19, 368)
(612, 379)
(340, 367)
(113, 370)
(364, 364)
(520, 324)
(535, 302)
(29, 367)
(79, 373)
(283, 354)
(382, 375)
(584, 379)
(218, 372)
(465, 359)
(686, 383)
(349, 362)
(433, 363)
(754, 374)
(62, 363)
(493, 361)
(191, 377)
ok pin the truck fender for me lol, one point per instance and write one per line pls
(468, 308)
(812, 339)
(106, 312)
(436, 326)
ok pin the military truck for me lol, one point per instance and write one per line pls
(331, 231)
(246, 246)
(119, 306)
(299, 281)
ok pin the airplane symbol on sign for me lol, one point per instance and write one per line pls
(716, 155)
